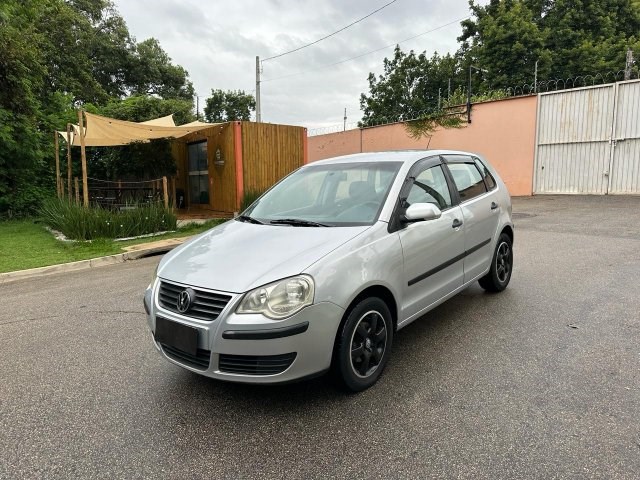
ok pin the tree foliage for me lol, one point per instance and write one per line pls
(505, 39)
(56, 55)
(228, 106)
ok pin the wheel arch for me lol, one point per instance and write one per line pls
(375, 290)
(508, 230)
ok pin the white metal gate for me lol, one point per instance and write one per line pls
(588, 140)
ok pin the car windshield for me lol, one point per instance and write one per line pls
(337, 194)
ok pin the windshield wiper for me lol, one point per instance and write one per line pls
(297, 222)
(248, 219)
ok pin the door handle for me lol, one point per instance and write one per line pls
(494, 205)
(456, 223)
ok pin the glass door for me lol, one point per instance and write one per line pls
(198, 173)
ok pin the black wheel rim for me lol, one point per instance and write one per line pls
(503, 262)
(368, 343)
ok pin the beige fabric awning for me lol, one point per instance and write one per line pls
(107, 132)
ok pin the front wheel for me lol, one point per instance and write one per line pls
(497, 279)
(363, 345)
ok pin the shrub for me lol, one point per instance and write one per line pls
(248, 198)
(80, 223)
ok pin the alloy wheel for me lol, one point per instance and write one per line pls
(368, 343)
(503, 262)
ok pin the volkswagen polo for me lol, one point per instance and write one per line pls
(320, 272)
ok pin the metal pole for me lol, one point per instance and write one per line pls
(344, 127)
(535, 79)
(258, 109)
(628, 64)
(469, 98)
(197, 107)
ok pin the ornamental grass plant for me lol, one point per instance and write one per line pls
(79, 223)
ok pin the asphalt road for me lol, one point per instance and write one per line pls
(541, 381)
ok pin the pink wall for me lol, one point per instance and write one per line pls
(503, 131)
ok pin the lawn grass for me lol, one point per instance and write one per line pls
(27, 244)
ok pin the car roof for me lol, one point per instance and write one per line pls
(404, 156)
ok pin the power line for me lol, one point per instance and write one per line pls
(331, 34)
(367, 53)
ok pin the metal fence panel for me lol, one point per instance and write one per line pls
(573, 146)
(625, 165)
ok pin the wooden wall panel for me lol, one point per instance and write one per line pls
(222, 179)
(270, 152)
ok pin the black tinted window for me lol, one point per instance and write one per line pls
(467, 179)
(488, 178)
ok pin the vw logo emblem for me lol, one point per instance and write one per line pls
(185, 299)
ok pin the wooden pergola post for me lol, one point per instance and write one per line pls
(57, 147)
(173, 193)
(83, 156)
(69, 165)
(165, 192)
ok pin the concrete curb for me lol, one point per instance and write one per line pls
(134, 252)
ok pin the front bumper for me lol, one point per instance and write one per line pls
(301, 345)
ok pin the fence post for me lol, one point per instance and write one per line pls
(77, 190)
(165, 192)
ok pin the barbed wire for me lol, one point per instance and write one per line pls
(543, 86)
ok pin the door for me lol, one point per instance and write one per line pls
(198, 173)
(625, 158)
(432, 249)
(480, 207)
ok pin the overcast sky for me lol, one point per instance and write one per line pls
(217, 42)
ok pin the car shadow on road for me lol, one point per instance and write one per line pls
(421, 357)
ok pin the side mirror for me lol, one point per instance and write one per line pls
(421, 211)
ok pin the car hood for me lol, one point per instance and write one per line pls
(237, 256)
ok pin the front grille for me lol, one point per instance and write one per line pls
(255, 365)
(200, 360)
(205, 306)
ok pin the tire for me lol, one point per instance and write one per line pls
(499, 275)
(363, 345)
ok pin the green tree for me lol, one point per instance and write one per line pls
(228, 106)
(409, 85)
(56, 55)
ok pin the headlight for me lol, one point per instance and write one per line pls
(279, 299)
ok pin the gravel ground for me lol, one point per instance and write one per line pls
(541, 381)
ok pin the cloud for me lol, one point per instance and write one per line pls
(217, 43)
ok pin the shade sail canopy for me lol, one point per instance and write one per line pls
(109, 132)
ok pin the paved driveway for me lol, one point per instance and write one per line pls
(542, 381)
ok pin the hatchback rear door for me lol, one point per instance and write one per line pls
(479, 202)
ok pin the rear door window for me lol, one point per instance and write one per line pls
(468, 180)
(488, 178)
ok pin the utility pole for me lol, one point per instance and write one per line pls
(197, 107)
(344, 126)
(258, 110)
(628, 64)
(535, 79)
(439, 97)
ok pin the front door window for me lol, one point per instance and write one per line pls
(198, 173)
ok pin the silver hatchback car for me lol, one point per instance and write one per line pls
(321, 271)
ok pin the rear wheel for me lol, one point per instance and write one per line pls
(501, 266)
(363, 345)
